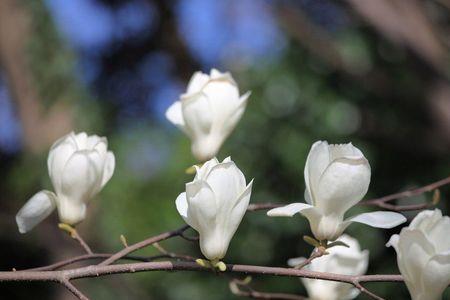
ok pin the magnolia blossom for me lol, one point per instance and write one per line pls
(423, 254)
(79, 166)
(340, 260)
(337, 177)
(208, 112)
(214, 204)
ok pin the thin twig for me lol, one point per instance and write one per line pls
(406, 194)
(264, 206)
(94, 256)
(169, 254)
(189, 238)
(75, 235)
(235, 287)
(76, 292)
(127, 250)
(318, 252)
(366, 291)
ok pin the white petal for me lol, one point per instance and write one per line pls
(344, 151)
(316, 163)
(81, 140)
(224, 100)
(198, 116)
(202, 207)
(425, 219)
(288, 210)
(214, 243)
(35, 210)
(197, 82)
(414, 252)
(175, 115)
(227, 159)
(95, 141)
(81, 176)
(226, 76)
(308, 197)
(108, 169)
(435, 226)
(235, 115)
(69, 211)
(238, 211)
(58, 156)
(227, 183)
(393, 242)
(379, 219)
(182, 205)
(343, 184)
(202, 172)
(436, 276)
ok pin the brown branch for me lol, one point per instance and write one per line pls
(76, 292)
(264, 206)
(189, 238)
(127, 250)
(103, 270)
(235, 287)
(315, 254)
(379, 202)
(50, 273)
(76, 236)
(172, 254)
(94, 256)
(363, 290)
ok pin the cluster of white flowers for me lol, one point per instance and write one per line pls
(337, 177)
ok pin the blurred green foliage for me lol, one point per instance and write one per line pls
(294, 102)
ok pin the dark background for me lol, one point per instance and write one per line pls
(375, 73)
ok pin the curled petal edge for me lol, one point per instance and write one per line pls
(378, 219)
(288, 210)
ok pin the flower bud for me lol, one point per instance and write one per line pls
(214, 204)
(79, 166)
(208, 112)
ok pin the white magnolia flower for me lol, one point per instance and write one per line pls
(214, 204)
(341, 260)
(79, 166)
(423, 254)
(208, 112)
(337, 177)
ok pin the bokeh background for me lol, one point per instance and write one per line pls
(372, 72)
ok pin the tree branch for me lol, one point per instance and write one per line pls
(382, 202)
(76, 292)
(93, 256)
(235, 287)
(103, 270)
(315, 254)
(129, 249)
(50, 273)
